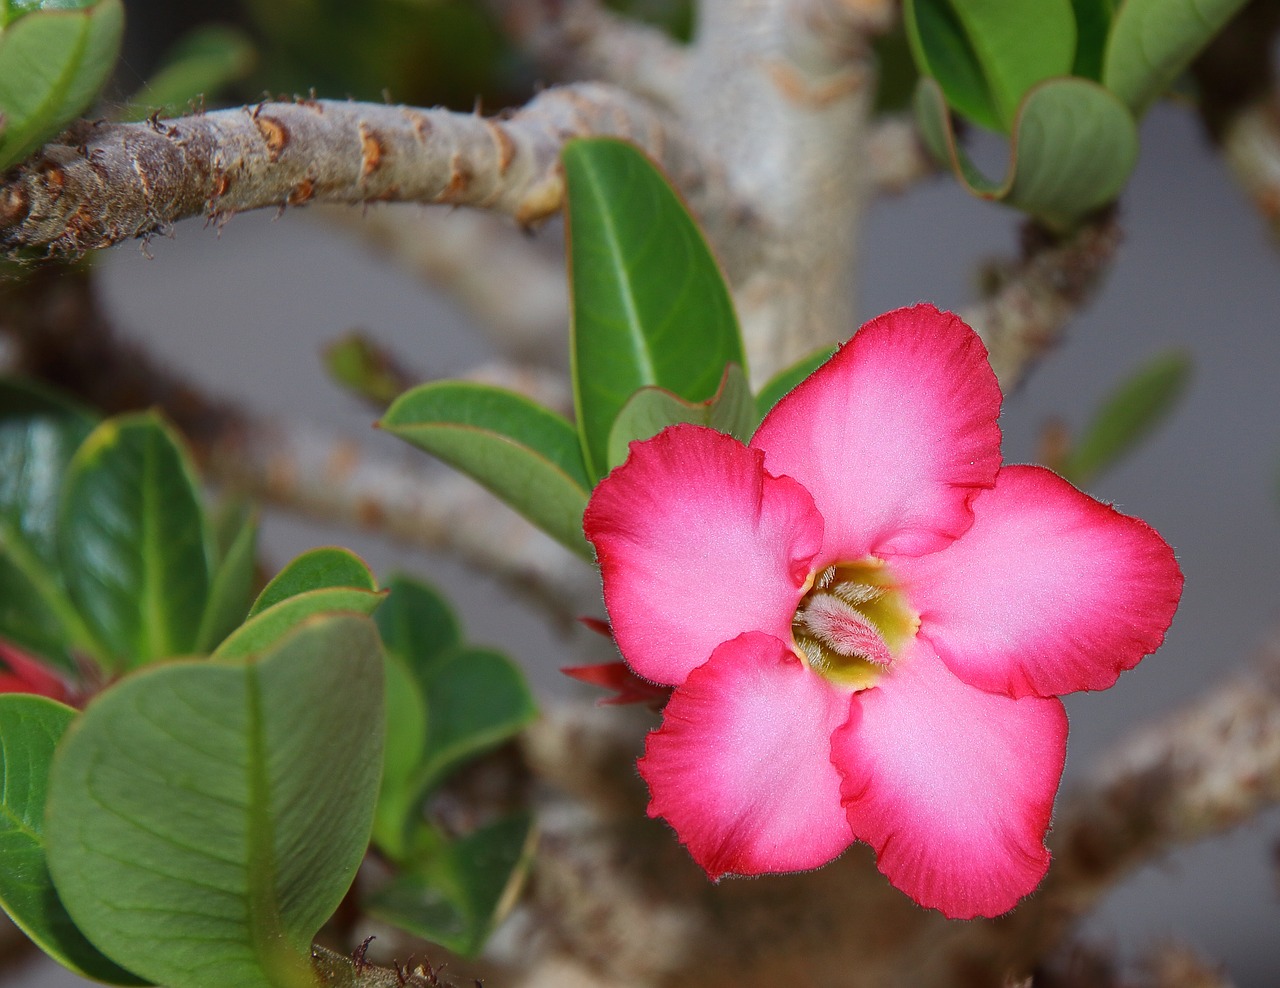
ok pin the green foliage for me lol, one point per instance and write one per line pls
(315, 569)
(356, 363)
(134, 544)
(202, 64)
(650, 410)
(235, 541)
(54, 59)
(649, 305)
(221, 859)
(525, 454)
(1129, 414)
(30, 728)
(1068, 79)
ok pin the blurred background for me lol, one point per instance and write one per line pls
(245, 311)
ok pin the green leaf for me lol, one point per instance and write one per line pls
(206, 818)
(200, 65)
(267, 627)
(136, 550)
(650, 306)
(364, 368)
(1074, 146)
(986, 54)
(1128, 415)
(398, 795)
(476, 699)
(52, 65)
(30, 728)
(652, 409)
(525, 454)
(1152, 41)
(229, 594)
(785, 381)
(315, 569)
(460, 894)
(418, 624)
(1093, 24)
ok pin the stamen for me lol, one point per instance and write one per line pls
(836, 624)
(858, 593)
(824, 578)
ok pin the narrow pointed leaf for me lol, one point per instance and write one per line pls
(785, 381)
(266, 628)
(649, 303)
(651, 409)
(30, 728)
(229, 594)
(1152, 41)
(986, 54)
(1128, 416)
(215, 865)
(315, 569)
(525, 454)
(457, 898)
(52, 65)
(135, 546)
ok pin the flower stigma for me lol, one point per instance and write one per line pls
(852, 623)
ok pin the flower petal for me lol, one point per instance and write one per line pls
(741, 766)
(697, 544)
(953, 787)
(892, 436)
(1049, 592)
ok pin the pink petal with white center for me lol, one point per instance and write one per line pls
(953, 787)
(741, 766)
(892, 436)
(1049, 592)
(697, 544)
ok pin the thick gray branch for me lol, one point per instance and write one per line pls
(111, 182)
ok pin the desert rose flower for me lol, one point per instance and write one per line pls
(867, 622)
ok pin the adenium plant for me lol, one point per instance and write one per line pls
(867, 621)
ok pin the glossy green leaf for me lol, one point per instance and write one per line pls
(135, 548)
(457, 897)
(1093, 24)
(52, 65)
(1074, 146)
(232, 586)
(651, 409)
(1152, 41)
(267, 627)
(649, 304)
(35, 611)
(476, 699)
(206, 818)
(525, 454)
(1128, 415)
(199, 66)
(315, 569)
(30, 728)
(418, 624)
(986, 54)
(785, 381)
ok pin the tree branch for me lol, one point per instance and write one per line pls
(112, 182)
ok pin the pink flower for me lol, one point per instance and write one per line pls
(23, 673)
(867, 621)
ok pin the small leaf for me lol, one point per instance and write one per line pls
(315, 569)
(398, 796)
(1152, 41)
(215, 865)
(651, 409)
(1129, 414)
(650, 306)
(229, 594)
(30, 728)
(135, 546)
(418, 624)
(1074, 146)
(200, 65)
(525, 454)
(457, 897)
(986, 54)
(785, 381)
(52, 65)
(267, 627)
(365, 369)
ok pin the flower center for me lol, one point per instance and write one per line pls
(852, 623)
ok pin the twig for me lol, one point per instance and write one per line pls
(1031, 300)
(112, 182)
